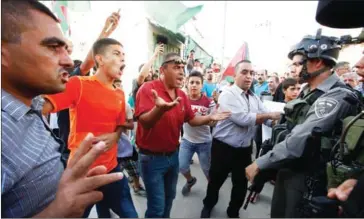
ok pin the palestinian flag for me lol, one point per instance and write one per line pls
(241, 54)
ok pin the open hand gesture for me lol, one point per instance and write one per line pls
(218, 116)
(111, 23)
(162, 104)
(77, 188)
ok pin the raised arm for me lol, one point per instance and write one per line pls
(89, 61)
(146, 67)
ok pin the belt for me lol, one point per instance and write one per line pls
(148, 152)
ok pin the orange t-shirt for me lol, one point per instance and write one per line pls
(93, 108)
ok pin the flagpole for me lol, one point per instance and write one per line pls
(223, 36)
(223, 42)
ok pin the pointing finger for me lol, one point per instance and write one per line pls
(94, 182)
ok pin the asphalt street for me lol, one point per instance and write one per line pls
(191, 205)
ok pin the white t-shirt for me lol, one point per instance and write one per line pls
(125, 149)
(53, 124)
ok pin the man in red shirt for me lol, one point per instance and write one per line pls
(161, 110)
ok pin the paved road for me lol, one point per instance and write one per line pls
(190, 206)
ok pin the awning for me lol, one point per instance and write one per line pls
(166, 31)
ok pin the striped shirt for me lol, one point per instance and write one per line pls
(31, 165)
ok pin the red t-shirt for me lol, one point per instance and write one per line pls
(164, 136)
(93, 108)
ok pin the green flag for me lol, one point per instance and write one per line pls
(187, 15)
(61, 9)
(79, 6)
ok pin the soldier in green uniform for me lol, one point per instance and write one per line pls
(323, 102)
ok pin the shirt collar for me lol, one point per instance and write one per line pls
(240, 91)
(17, 109)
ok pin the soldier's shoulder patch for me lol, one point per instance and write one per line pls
(325, 106)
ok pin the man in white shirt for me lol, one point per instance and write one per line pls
(232, 139)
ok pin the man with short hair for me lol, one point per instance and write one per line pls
(273, 82)
(232, 139)
(342, 68)
(161, 106)
(291, 89)
(262, 84)
(97, 107)
(209, 86)
(351, 78)
(34, 183)
(190, 61)
(81, 69)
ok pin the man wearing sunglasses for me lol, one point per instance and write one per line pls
(161, 109)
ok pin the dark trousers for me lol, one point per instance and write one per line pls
(117, 198)
(258, 138)
(288, 192)
(226, 159)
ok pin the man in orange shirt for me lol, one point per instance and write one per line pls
(97, 107)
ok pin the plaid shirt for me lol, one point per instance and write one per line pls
(31, 165)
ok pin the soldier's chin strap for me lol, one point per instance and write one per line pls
(305, 76)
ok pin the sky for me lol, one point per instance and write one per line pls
(245, 21)
(268, 47)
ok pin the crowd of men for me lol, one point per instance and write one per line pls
(173, 112)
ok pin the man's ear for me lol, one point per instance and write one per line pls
(99, 60)
(5, 56)
(162, 69)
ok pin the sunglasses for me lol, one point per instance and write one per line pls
(177, 61)
(209, 72)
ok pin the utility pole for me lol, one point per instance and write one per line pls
(223, 36)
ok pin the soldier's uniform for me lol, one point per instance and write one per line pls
(321, 108)
(345, 14)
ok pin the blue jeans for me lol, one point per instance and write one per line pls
(186, 151)
(117, 198)
(160, 175)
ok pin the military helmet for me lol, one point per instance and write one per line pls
(322, 47)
